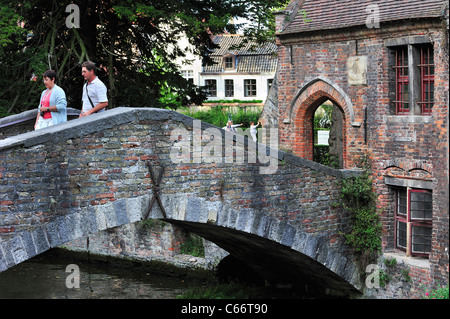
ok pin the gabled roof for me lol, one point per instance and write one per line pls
(315, 15)
(250, 57)
(236, 44)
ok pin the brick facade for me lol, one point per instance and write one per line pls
(405, 151)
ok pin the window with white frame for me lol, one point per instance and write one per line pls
(413, 221)
(188, 75)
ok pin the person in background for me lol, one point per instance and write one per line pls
(230, 127)
(253, 130)
(53, 104)
(95, 98)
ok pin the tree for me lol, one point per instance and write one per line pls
(134, 45)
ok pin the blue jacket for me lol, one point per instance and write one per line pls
(57, 98)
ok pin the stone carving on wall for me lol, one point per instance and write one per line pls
(357, 70)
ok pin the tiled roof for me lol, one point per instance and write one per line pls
(250, 57)
(316, 15)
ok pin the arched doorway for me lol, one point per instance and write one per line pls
(328, 139)
(301, 115)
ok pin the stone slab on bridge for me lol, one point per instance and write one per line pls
(275, 211)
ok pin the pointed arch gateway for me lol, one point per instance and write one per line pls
(301, 114)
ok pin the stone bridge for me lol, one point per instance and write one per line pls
(276, 212)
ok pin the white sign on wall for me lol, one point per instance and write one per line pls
(322, 137)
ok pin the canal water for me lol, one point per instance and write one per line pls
(45, 277)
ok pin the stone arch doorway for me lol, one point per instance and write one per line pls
(301, 115)
(328, 137)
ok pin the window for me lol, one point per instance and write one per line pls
(414, 79)
(426, 78)
(229, 62)
(229, 88)
(188, 75)
(401, 81)
(413, 216)
(249, 88)
(211, 87)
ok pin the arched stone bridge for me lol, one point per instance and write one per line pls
(274, 211)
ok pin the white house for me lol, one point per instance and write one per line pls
(190, 65)
(242, 71)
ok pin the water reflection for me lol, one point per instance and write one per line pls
(45, 277)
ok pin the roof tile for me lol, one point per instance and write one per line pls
(250, 57)
(316, 15)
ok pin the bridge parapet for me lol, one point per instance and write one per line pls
(90, 174)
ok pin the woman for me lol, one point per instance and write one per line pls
(52, 105)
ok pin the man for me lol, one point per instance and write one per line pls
(95, 97)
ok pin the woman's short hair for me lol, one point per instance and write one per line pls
(49, 74)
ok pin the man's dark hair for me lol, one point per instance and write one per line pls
(49, 74)
(89, 65)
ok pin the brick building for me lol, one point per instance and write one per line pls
(384, 66)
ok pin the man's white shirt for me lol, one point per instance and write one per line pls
(97, 92)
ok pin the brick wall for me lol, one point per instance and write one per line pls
(313, 68)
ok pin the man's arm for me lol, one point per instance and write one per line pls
(100, 106)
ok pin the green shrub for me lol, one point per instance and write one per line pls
(193, 245)
(390, 262)
(359, 200)
(439, 293)
(218, 116)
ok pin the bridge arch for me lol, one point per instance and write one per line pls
(276, 250)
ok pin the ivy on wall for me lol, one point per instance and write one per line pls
(358, 199)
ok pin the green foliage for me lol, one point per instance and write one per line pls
(230, 290)
(405, 274)
(11, 31)
(357, 192)
(149, 224)
(365, 236)
(359, 200)
(261, 17)
(193, 245)
(135, 45)
(323, 120)
(235, 101)
(3, 111)
(391, 262)
(384, 278)
(218, 116)
(439, 293)
(322, 156)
